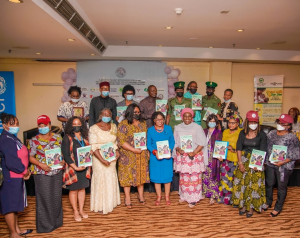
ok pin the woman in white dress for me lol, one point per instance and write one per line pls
(105, 193)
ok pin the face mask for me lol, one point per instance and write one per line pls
(105, 93)
(44, 130)
(129, 97)
(136, 116)
(212, 124)
(179, 94)
(77, 128)
(280, 127)
(106, 119)
(253, 126)
(209, 93)
(13, 130)
(227, 100)
(193, 91)
(75, 100)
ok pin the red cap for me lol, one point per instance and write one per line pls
(252, 116)
(104, 84)
(43, 119)
(286, 118)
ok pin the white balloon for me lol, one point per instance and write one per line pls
(71, 70)
(74, 84)
(175, 80)
(171, 67)
(174, 73)
(169, 76)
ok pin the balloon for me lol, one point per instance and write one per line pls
(175, 80)
(71, 70)
(74, 84)
(63, 99)
(168, 70)
(74, 80)
(179, 72)
(74, 75)
(66, 86)
(169, 76)
(171, 67)
(64, 75)
(171, 83)
(174, 73)
(171, 90)
(69, 81)
(66, 95)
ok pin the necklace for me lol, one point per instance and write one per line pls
(81, 142)
(159, 130)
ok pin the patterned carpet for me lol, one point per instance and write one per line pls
(177, 220)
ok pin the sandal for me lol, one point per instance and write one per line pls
(168, 201)
(265, 209)
(141, 202)
(28, 231)
(127, 205)
(77, 219)
(192, 204)
(85, 216)
(211, 202)
(157, 202)
(274, 215)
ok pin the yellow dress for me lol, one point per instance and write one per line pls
(232, 139)
(105, 192)
(133, 169)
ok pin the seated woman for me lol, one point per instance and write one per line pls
(190, 165)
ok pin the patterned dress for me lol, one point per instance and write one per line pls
(231, 109)
(133, 169)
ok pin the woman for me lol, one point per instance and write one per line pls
(190, 165)
(228, 109)
(192, 90)
(66, 110)
(14, 164)
(105, 193)
(249, 184)
(48, 182)
(128, 93)
(281, 171)
(294, 113)
(76, 178)
(211, 176)
(161, 170)
(228, 166)
(133, 168)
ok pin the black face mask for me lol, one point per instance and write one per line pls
(209, 93)
(193, 90)
(179, 94)
(77, 128)
(137, 116)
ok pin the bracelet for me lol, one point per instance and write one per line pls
(154, 152)
(240, 162)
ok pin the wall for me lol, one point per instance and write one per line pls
(33, 101)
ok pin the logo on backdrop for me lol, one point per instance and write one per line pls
(2, 85)
(120, 72)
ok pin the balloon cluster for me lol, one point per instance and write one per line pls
(69, 79)
(172, 78)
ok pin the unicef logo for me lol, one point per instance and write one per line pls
(2, 85)
(120, 72)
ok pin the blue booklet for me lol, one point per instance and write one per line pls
(221, 149)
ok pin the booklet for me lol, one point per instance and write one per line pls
(84, 156)
(196, 102)
(186, 143)
(221, 149)
(278, 153)
(121, 113)
(208, 112)
(108, 152)
(53, 157)
(177, 111)
(140, 140)
(161, 106)
(257, 159)
(163, 149)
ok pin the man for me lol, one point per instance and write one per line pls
(178, 100)
(101, 102)
(192, 90)
(148, 105)
(210, 100)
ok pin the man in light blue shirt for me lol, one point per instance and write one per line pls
(192, 90)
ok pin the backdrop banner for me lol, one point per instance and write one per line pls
(268, 91)
(7, 94)
(139, 74)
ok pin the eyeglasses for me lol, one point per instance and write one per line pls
(232, 123)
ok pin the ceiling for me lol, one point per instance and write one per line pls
(142, 24)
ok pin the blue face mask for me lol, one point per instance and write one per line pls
(106, 119)
(227, 100)
(13, 130)
(212, 124)
(129, 97)
(44, 130)
(105, 93)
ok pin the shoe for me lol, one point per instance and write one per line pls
(241, 213)
(248, 215)
(168, 201)
(85, 216)
(157, 202)
(127, 205)
(141, 202)
(192, 204)
(77, 219)
(273, 215)
(28, 231)
(265, 209)
(211, 201)
(180, 200)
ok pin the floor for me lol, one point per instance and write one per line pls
(177, 220)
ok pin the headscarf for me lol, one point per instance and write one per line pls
(187, 110)
(237, 118)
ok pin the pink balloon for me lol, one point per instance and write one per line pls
(179, 72)
(169, 76)
(69, 81)
(174, 73)
(72, 76)
(66, 86)
(170, 83)
(168, 70)
(64, 75)
(175, 80)
(66, 95)
(171, 67)
(171, 90)
(74, 80)
(74, 84)
(71, 70)
(64, 99)
(171, 96)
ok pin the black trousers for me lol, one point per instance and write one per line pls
(273, 176)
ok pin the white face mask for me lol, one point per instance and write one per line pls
(280, 127)
(75, 100)
(253, 126)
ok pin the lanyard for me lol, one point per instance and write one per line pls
(81, 142)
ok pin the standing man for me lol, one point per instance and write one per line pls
(148, 105)
(192, 90)
(178, 100)
(210, 100)
(103, 101)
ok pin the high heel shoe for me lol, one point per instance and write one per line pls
(274, 215)
(265, 209)
(141, 202)
(127, 205)
(168, 201)
(157, 202)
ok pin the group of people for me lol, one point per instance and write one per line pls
(201, 175)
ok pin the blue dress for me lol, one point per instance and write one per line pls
(161, 171)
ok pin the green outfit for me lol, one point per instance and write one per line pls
(214, 102)
(171, 104)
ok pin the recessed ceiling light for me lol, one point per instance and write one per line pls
(160, 45)
(71, 39)
(258, 48)
(224, 11)
(194, 38)
(168, 27)
(38, 53)
(15, 1)
(240, 30)
(279, 42)
(92, 54)
(210, 47)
